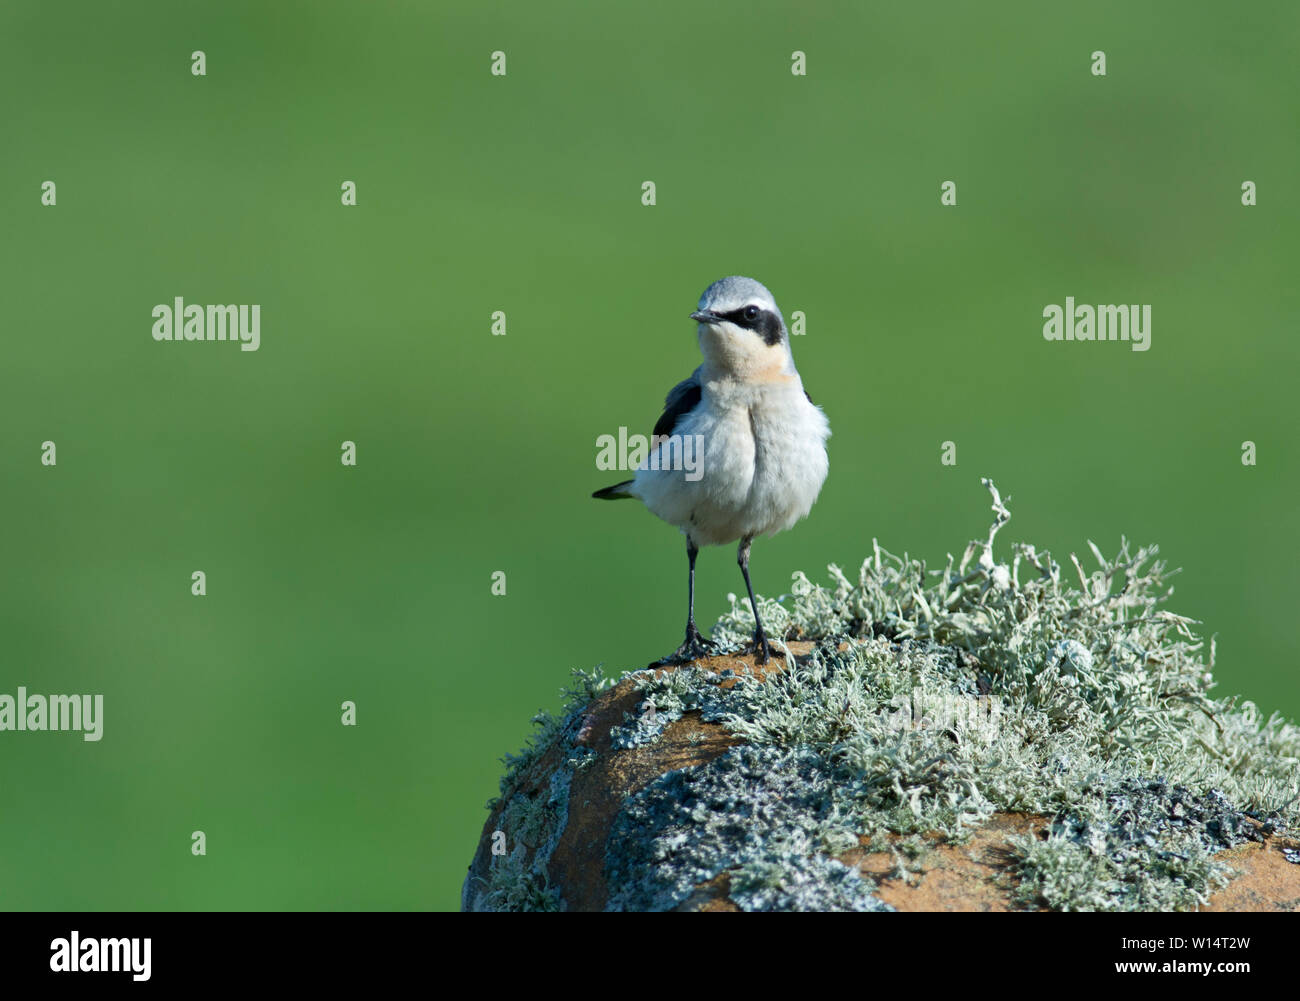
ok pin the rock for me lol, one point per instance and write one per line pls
(648, 827)
(986, 736)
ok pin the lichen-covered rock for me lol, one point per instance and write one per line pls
(766, 815)
(972, 741)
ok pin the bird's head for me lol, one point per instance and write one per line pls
(742, 333)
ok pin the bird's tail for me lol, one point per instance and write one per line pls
(617, 492)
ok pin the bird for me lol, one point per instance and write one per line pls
(761, 443)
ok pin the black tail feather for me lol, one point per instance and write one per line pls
(616, 492)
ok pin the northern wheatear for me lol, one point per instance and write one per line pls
(764, 442)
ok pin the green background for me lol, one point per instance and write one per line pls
(477, 453)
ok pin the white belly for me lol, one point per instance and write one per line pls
(764, 462)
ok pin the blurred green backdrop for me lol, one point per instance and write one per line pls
(477, 453)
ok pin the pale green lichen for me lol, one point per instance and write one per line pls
(532, 823)
(586, 685)
(802, 883)
(936, 698)
(979, 691)
(1145, 845)
(768, 816)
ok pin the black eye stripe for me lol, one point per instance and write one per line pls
(767, 325)
(737, 316)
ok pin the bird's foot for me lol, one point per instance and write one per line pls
(694, 647)
(762, 650)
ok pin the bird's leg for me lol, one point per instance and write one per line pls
(761, 647)
(694, 646)
(692, 634)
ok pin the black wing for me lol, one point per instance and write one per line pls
(681, 400)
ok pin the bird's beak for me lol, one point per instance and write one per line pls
(705, 316)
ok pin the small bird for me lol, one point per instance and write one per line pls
(763, 440)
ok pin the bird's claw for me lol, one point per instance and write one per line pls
(694, 647)
(762, 650)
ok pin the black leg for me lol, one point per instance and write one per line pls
(761, 647)
(694, 646)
